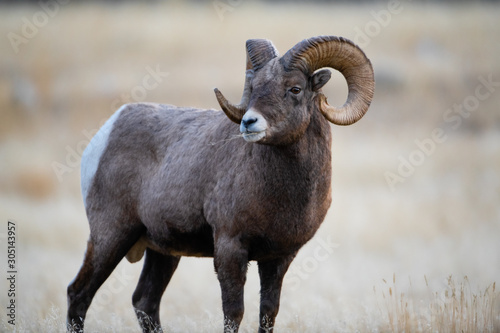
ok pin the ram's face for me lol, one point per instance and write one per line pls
(281, 93)
(280, 105)
(277, 111)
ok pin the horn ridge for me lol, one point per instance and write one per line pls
(260, 51)
(343, 55)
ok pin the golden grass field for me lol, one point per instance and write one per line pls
(413, 231)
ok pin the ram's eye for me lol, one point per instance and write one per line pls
(295, 90)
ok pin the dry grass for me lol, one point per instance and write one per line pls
(458, 307)
(442, 221)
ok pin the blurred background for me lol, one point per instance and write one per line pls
(412, 234)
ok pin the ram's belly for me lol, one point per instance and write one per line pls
(193, 243)
(200, 243)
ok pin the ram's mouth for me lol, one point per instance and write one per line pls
(253, 136)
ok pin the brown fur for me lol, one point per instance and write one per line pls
(183, 183)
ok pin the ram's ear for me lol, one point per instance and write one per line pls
(320, 78)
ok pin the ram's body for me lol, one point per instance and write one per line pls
(172, 182)
(182, 174)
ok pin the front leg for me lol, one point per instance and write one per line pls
(271, 274)
(231, 262)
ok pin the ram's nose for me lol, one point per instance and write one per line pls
(253, 126)
(248, 121)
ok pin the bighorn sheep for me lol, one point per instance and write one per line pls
(175, 182)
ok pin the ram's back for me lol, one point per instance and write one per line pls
(150, 155)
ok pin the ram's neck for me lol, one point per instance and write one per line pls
(295, 170)
(294, 182)
(314, 147)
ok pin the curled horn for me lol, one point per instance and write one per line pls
(346, 57)
(259, 52)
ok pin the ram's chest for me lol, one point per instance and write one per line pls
(278, 219)
(284, 231)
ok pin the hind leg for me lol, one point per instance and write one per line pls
(155, 276)
(102, 256)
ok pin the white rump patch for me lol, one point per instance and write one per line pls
(93, 152)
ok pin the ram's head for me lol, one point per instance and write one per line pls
(281, 93)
